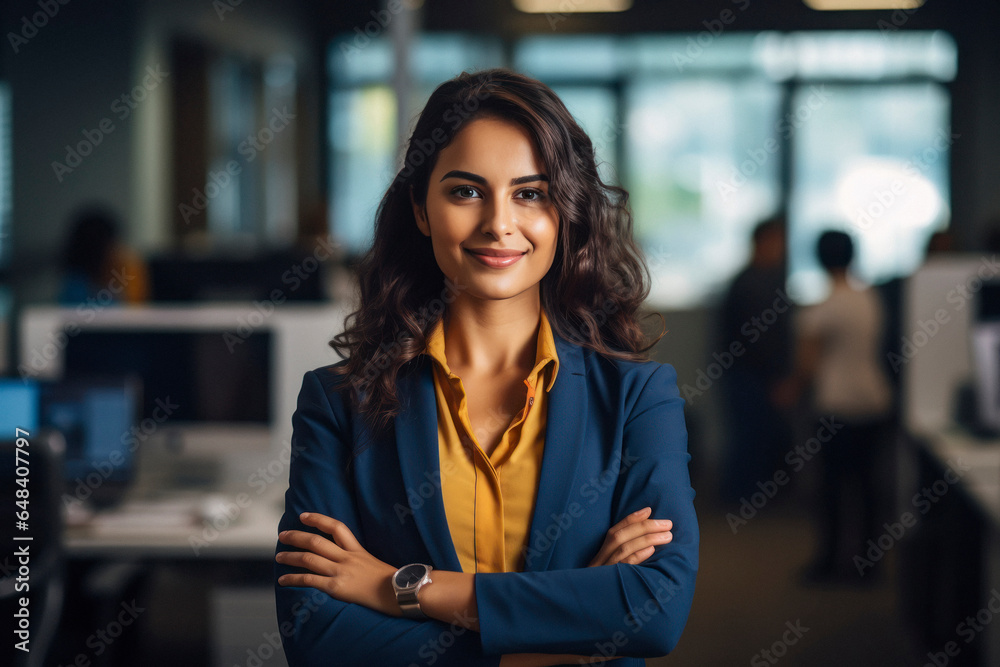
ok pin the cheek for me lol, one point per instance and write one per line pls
(445, 230)
(546, 234)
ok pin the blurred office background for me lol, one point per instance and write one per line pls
(237, 151)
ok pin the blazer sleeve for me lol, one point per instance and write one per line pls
(624, 610)
(317, 629)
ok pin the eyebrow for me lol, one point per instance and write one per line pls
(476, 178)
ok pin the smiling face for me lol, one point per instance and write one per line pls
(492, 225)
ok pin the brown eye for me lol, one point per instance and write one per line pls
(531, 195)
(465, 192)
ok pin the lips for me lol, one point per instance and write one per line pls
(495, 252)
(496, 257)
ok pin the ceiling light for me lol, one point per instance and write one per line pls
(571, 6)
(842, 5)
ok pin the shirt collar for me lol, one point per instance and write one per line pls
(545, 349)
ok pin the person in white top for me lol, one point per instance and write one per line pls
(838, 348)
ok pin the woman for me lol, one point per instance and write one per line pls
(488, 459)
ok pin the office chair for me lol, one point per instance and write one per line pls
(45, 526)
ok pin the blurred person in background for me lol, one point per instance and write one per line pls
(757, 314)
(97, 265)
(838, 358)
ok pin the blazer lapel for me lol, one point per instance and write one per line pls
(417, 445)
(564, 430)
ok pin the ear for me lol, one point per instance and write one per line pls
(420, 215)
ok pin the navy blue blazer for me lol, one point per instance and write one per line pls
(615, 442)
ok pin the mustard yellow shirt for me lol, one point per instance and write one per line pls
(489, 500)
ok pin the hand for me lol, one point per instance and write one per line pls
(340, 567)
(632, 540)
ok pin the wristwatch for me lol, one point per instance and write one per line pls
(406, 582)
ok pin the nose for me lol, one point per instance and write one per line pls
(498, 218)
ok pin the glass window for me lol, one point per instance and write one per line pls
(595, 109)
(251, 188)
(702, 168)
(279, 165)
(439, 57)
(231, 214)
(363, 147)
(869, 55)
(709, 134)
(692, 55)
(365, 152)
(356, 59)
(596, 57)
(873, 161)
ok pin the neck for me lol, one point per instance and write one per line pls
(839, 277)
(492, 336)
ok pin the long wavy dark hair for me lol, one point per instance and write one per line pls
(592, 292)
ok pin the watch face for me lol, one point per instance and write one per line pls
(410, 575)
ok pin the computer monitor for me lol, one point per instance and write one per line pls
(96, 416)
(180, 278)
(18, 407)
(220, 381)
(190, 376)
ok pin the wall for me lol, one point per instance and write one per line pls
(71, 74)
(63, 82)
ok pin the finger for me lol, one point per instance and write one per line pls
(625, 553)
(338, 530)
(647, 527)
(640, 555)
(312, 542)
(605, 550)
(637, 515)
(617, 538)
(305, 580)
(636, 557)
(618, 546)
(307, 561)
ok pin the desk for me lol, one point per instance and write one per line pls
(158, 548)
(209, 590)
(231, 512)
(982, 481)
(120, 533)
(979, 487)
(227, 455)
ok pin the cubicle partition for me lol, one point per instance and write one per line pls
(195, 529)
(949, 483)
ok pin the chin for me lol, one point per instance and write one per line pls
(493, 292)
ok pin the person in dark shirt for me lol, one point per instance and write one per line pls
(756, 312)
(97, 266)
